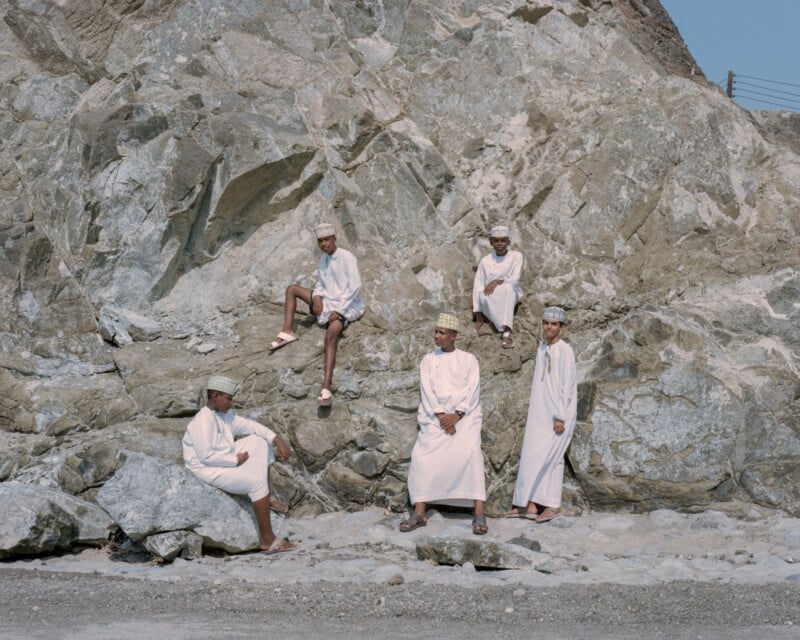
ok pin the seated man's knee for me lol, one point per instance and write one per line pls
(330, 337)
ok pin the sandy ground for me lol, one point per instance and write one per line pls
(659, 575)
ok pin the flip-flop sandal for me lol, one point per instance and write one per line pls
(325, 398)
(548, 514)
(520, 514)
(415, 521)
(282, 340)
(508, 341)
(479, 527)
(279, 545)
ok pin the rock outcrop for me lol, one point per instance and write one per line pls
(163, 164)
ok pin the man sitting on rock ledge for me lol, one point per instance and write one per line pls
(447, 462)
(241, 466)
(496, 291)
(335, 301)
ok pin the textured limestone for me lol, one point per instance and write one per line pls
(158, 193)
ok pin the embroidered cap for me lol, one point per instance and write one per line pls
(324, 230)
(447, 321)
(555, 313)
(499, 231)
(223, 384)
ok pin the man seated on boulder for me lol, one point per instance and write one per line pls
(241, 466)
(335, 301)
(447, 462)
(496, 291)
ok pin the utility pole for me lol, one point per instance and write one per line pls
(730, 84)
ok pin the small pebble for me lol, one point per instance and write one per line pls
(509, 610)
(396, 579)
(518, 593)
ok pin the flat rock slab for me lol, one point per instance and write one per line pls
(483, 554)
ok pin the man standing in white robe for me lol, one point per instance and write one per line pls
(447, 462)
(335, 300)
(552, 414)
(238, 467)
(496, 291)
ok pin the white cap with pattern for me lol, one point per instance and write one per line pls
(223, 384)
(324, 230)
(555, 313)
(448, 321)
(499, 231)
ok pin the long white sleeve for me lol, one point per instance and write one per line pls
(565, 382)
(430, 403)
(244, 426)
(478, 285)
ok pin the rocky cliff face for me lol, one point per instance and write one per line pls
(163, 164)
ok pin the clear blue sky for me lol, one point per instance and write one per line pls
(758, 38)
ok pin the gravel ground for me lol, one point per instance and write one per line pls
(660, 575)
(41, 604)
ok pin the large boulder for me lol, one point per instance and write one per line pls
(147, 496)
(37, 520)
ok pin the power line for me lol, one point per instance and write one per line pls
(767, 95)
(788, 84)
(774, 104)
(758, 86)
(747, 94)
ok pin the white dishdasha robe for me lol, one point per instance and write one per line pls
(339, 283)
(209, 451)
(448, 468)
(498, 307)
(554, 395)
